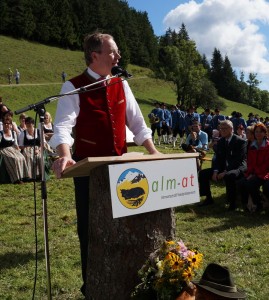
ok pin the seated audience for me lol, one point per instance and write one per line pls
(250, 134)
(229, 165)
(29, 142)
(48, 133)
(9, 115)
(257, 168)
(14, 161)
(3, 110)
(197, 140)
(214, 142)
(48, 126)
(22, 125)
(241, 132)
(267, 127)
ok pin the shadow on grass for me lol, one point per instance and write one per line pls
(13, 259)
(230, 219)
(149, 102)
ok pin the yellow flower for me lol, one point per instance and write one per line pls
(187, 274)
(195, 258)
(174, 261)
(170, 243)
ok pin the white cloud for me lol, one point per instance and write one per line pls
(236, 27)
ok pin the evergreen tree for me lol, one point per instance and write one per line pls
(42, 13)
(205, 64)
(20, 21)
(229, 81)
(183, 34)
(4, 17)
(216, 70)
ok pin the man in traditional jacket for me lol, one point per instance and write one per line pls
(97, 120)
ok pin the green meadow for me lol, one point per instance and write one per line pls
(234, 239)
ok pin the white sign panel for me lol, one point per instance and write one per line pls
(141, 187)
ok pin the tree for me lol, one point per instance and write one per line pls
(183, 33)
(4, 16)
(216, 70)
(42, 13)
(205, 64)
(181, 66)
(208, 95)
(264, 104)
(21, 21)
(229, 81)
(253, 84)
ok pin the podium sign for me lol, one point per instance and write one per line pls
(141, 187)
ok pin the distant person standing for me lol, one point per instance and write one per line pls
(10, 75)
(64, 76)
(17, 76)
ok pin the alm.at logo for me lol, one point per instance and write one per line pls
(132, 188)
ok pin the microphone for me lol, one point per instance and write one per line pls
(118, 71)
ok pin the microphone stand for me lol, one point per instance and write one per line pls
(39, 107)
(41, 112)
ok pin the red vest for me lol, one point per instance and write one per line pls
(100, 126)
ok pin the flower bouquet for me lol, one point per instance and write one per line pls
(167, 272)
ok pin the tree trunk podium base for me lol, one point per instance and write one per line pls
(119, 247)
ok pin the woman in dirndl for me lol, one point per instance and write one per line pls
(14, 161)
(29, 142)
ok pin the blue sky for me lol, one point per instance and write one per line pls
(238, 28)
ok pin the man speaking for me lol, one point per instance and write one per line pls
(93, 123)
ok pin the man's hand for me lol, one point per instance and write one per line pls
(64, 161)
(148, 144)
(215, 176)
(221, 175)
(60, 164)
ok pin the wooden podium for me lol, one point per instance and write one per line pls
(119, 247)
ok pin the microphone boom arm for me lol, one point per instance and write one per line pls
(50, 99)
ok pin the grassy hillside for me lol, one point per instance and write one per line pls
(41, 67)
(234, 239)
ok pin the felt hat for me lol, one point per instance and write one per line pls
(218, 280)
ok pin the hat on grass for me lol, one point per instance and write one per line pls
(218, 280)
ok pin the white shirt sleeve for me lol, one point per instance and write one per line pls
(134, 118)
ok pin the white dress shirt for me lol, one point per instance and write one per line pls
(68, 110)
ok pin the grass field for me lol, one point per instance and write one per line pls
(237, 240)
